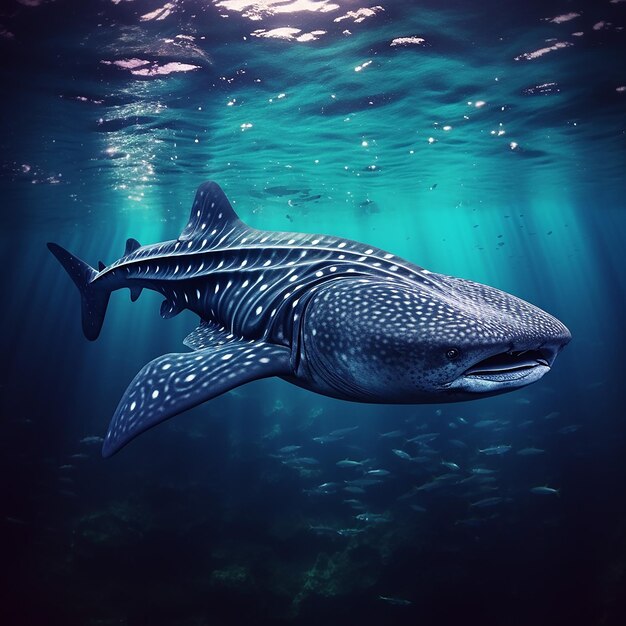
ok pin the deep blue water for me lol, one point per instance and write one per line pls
(481, 140)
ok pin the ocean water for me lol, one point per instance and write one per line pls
(478, 139)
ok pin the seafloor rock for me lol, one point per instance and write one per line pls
(234, 577)
(339, 574)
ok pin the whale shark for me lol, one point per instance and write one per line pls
(331, 315)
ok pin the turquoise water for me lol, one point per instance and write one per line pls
(487, 142)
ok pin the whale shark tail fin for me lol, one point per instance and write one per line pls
(94, 299)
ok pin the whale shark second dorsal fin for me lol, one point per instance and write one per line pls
(211, 214)
(131, 246)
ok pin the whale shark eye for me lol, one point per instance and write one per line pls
(452, 353)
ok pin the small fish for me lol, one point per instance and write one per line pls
(530, 451)
(486, 502)
(425, 438)
(329, 487)
(373, 518)
(421, 459)
(545, 491)
(457, 443)
(322, 530)
(501, 449)
(349, 463)
(340, 432)
(392, 434)
(572, 428)
(304, 460)
(66, 467)
(485, 423)
(417, 508)
(552, 415)
(429, 486)
(326, 439)
(79, 455)
(450, 465)
(482, 470)
(353, 489)
(395, 601)
(91, 440)
(289, 449)
(378, 472)
(350, 532)
(402, 454)
(353, 502)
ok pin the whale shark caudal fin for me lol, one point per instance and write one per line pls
(94, 300)
(211, 215)
(173, 383)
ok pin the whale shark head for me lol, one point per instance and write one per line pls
(445, 340)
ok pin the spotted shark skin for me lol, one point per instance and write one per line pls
(334, 316)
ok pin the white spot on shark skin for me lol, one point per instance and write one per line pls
(155, 394)
(189, 378)
(227, 356)
(267, 263)
(167, 366)
(342, 244)
(133, 405)
(259, 310)
(264, 359)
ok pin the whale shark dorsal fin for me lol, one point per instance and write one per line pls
(131, 246)
(211, 214)
(173, 383)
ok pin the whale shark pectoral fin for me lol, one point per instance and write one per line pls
(173, 383)
(208, 334)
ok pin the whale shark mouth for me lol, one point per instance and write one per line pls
(509, 366)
